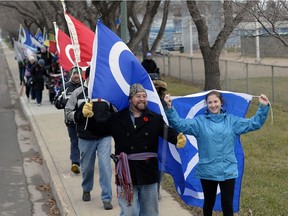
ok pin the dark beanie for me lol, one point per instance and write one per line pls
(41, 62)
(87, 72)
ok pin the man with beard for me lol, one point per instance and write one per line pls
(136, 131)
(60, 103)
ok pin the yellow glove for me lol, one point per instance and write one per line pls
(181, 141)
(87, 109)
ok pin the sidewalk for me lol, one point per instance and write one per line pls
(52, 138)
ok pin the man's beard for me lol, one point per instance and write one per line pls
(141, 107)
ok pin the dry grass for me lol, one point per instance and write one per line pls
(264, 185)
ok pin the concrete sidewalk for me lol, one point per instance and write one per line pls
(52, 138)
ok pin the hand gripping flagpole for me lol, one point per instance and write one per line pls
(77, 56)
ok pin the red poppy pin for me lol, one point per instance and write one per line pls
(145, 119)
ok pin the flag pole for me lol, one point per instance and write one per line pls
(19, 35)
(37, 32)
(77, 56)
(58, 49)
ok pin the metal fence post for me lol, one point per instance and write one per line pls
(169, 66)
(247, 78)
(179, 64)
(191, 65)
(272, 70)
(164, 66)
(226, 74)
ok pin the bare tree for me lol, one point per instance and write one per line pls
(162, 27)
(233, 14)
(145, 26)
(134, 24)
(272, 15)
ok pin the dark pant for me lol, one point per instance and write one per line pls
(21, 75)
(74, 149)
(227, 195)
(38, 95)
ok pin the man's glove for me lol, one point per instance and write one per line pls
(87, 109)
(181, 141)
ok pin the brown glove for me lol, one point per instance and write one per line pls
(87, 109)
(181, 141)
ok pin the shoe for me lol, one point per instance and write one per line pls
(75, 168)
(39, 104)
(107, 205)
(86, 196)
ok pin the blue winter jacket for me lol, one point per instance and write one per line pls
(216, 134)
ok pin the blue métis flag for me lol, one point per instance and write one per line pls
(39, 37)
(25, 37)
(114, 68)
(193, 105)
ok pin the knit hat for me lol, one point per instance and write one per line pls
(87, 72)
(148, 54)
(135, 88)
(75, 70)
(41, 62)
(160, 84)
(31, 58)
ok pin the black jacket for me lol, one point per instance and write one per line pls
(37, 75)
(73, 111)
(144, 138)
(150, 66)
(61, 98)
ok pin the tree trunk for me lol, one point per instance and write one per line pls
(211, 54)
(212, 70)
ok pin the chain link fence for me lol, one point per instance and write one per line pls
(237, 76)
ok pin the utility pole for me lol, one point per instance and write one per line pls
(257, 42)
(191, 35)
(123, 21)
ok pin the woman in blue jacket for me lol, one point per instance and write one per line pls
(216, 132)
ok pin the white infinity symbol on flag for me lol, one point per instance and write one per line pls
(114, 55)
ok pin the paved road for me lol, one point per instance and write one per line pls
(20, 175)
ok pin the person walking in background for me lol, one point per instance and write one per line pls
(136, 131)
(28, 88)
(47, 57)
(149, 64)
(38, 72)
(60, 102)
(216, 132)
(21, 67)
(89, 144)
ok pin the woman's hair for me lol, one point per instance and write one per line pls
(218, 94)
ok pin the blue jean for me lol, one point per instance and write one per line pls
(88, 150)
(145, 201)
(38, 95)
(74, 150)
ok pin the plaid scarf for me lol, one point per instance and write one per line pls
(123, 172)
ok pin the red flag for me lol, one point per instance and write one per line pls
(52, 47)
(83, 38)
(65, 50)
